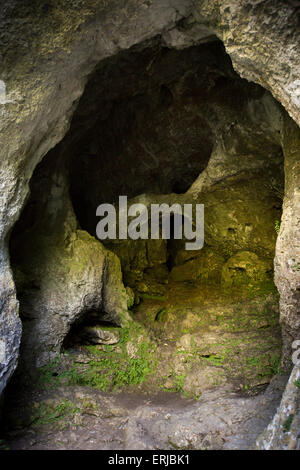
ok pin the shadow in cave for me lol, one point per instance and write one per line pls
(160, 126)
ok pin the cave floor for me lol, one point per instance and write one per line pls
(208, 337)
(93, 420)
(191, 371)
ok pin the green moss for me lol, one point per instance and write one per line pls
(216, 360)
(51, 413)
(288, 423)
(161, 315)
(178, 383)
(47, 374)
(245, 321)
(262, 289)
(110, 368)
(297, 383)
(152, 297)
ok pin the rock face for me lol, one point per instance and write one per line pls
(160, 119)
(63, 273)
(287, 261)
(11, 328)
(71, 279)
(47, 53)
(152, 119)
(204, 266)
(283, 431)
(262, 39)
(243, 268)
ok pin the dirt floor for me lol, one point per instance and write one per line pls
(192, 371)
(83, 418)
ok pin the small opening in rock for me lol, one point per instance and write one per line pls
(90, 329)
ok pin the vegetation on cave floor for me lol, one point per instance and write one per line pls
(105, 367)
(52, 413)
(215, 339)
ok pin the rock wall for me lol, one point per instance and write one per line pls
(152, 119)
(283, 431)
(262, 39)
(287, 261)
(62, 273)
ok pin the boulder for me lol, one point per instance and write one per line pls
(97, 335)
(246, 268)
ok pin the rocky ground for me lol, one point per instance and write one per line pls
(207, 336)
(85, 418)
(190, 372)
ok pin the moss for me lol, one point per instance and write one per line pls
(216, 360)
(161, 315)
(288, 423)
(297, 383)
(152, 297)
(47, 374)
(247, 321)
(245, 268)
(110, 368)
(178, 380)
(246, 358)
(47, 413)
(177, 383)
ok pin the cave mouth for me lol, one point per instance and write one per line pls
(159, 125)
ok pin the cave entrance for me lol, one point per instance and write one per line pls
(160, 125)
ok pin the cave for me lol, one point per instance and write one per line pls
(154, 124)
(162, 122)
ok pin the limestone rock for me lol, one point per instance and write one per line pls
(245, 268)
(64, 41)
(198, 380)
(133, 347)
(130, 297)
(283, 431)
(97, 335)
(137, 256)
(256, 35)
(205, 267)
(287, 259)
(68, 282)
(62, 273)
(10, 328)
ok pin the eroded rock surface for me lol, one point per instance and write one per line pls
(283, 431)
(64, 273)
(287, 260)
